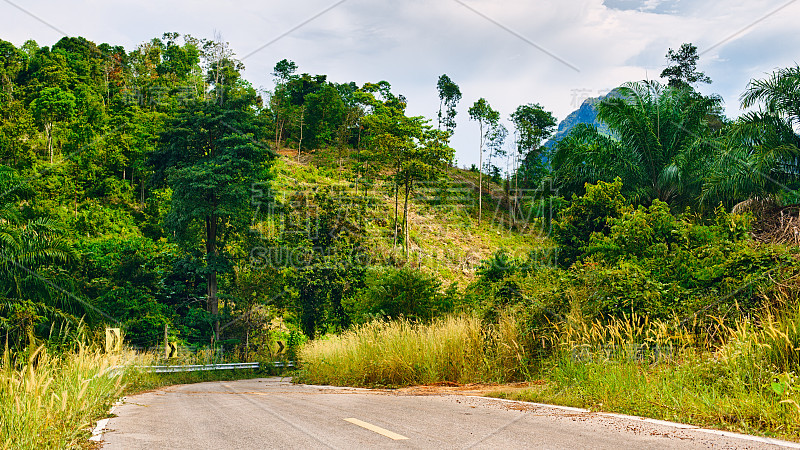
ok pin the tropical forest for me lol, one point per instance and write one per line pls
(646, 262)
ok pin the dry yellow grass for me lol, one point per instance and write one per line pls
(398, 353)
(51, 401)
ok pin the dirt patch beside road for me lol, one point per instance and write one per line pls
(471, 389)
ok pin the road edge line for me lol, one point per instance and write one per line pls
(666, 423)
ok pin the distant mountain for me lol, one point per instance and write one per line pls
(587, 113)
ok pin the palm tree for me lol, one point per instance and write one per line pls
(26, 298)
(759, 157)
(659, 144)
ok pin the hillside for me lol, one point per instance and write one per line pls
(446, 238)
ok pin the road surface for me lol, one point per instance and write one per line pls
(274, 413)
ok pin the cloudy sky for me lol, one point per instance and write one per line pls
(555, 53)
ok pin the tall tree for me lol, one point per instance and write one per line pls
(223, 70)
(51, 106)
(533, 125)
(11, 64)
(682, 68)
(449, 96)
(283, 72)
(422, 161)
(489, 121)
(209, 156)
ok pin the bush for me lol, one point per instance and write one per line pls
(395, 293)
(586, 215)
(499, 266)
(651, 262)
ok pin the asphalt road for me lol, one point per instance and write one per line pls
(273, 413)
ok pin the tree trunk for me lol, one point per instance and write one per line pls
(480, 177)
(358, 159)
(211, 253)
(279, 134)
(302, 113)
(405, 216)
(48, 130)
(396, 194)
(439, 125)
(277, 131)
(516, 187)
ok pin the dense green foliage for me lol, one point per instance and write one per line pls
(136, 191)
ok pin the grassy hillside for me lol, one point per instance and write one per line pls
(446, 237)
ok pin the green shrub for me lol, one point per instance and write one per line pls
(649, 261)
(499, 266)
(395, 293)
(586, 215)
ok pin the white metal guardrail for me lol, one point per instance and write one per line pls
(199, 367)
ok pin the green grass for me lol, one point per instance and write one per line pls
(699, 389)
(54, 400)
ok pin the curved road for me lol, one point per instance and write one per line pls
(274, 413)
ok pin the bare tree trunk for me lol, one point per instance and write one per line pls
(396, 194)
(480, 176)
(516, 186)
(302, 114)
(405, 216)
(439, 124)
(277, 131)
(358, 158)
(48, 130)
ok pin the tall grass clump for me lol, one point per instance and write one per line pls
(630, 337)
(745, 380)
(456, 349)
(50, 400)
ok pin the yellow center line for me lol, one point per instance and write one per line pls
(377, 429)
